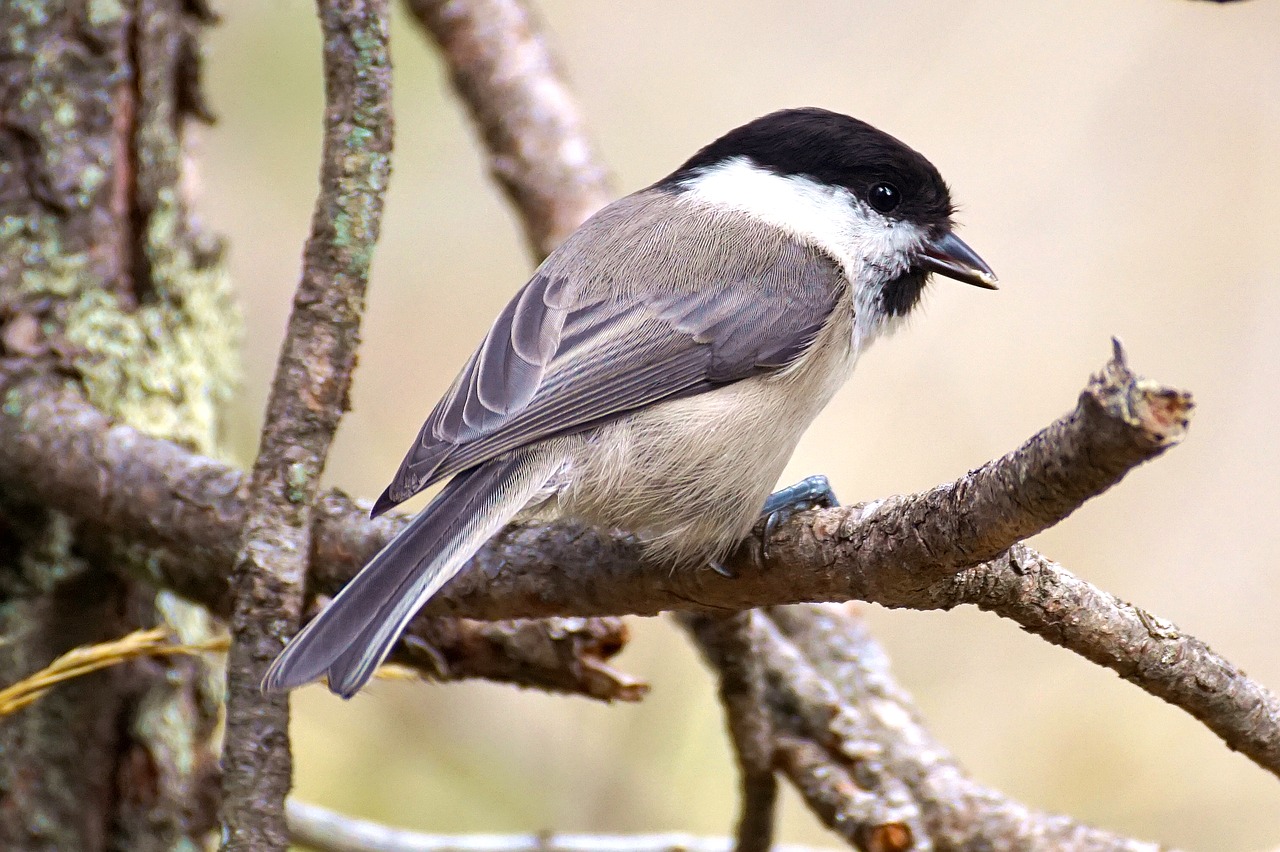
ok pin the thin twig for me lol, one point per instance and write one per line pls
(328, 831)
(830, 789)
(566, 655)
(160, 642)
(866, 765)
(732, 639)
(308, 397)
(532, 128)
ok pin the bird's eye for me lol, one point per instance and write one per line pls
(884, 197)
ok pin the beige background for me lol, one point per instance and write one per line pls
(1116, 164)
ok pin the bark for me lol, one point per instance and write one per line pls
(835, 685)
(107, 287)
(742, 693)
(184, 510)
(308, 397)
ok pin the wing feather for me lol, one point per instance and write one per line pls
(571, 350)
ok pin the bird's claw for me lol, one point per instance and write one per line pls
(809, 493)
(720, 568)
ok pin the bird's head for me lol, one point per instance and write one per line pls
(878, 207)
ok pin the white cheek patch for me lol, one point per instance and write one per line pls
(871, 249)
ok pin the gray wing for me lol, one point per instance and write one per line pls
(561, 357)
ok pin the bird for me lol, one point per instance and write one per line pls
(656, 372)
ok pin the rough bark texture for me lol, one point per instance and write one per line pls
(850, 739)
(308, 397)
(890, 551)
(106, 284)
(1143, 648)
(183, 510)
(749, 723)
(886, 551)
(834, 684)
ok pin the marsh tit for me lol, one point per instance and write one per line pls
(656, 372)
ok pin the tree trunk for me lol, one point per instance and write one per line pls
(105, 279)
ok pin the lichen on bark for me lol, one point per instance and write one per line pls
(104, 278)
(168, 365)
(158, 353)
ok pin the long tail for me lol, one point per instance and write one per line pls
(354, 634)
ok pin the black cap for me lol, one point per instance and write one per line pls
(838, 150)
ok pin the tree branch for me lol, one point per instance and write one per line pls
(1145, 649)
(68, 455)
(184, 510)
(884, 552)
(853, 744)
(895, 551)
(327, 831)
(733, 641)
(532, 129)
(842, 785)
(308, 397)
(827, 664)
(840, 729)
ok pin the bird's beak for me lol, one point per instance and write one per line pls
(948, 255)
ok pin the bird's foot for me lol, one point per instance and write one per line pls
(809, 493)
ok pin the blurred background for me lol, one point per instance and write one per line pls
(1118, 164)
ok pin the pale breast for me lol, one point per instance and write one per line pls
(689, 476)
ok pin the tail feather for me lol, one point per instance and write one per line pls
(353, 635)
